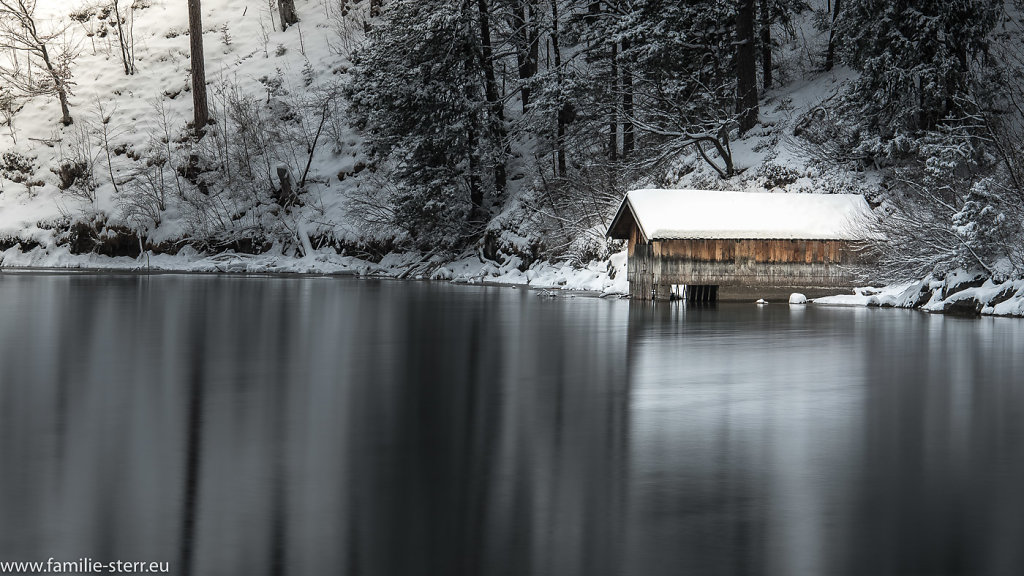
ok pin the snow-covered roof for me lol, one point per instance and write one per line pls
(677, 214)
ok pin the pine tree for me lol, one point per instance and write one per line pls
(983, 228)
(917, 59)
(421, 90)
(665, 73)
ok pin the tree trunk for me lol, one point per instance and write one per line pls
(627, 106)
(286, 195)
(495, 105)
(287, 10)
(613, 119)
(127, 57)
(533, 37)
(746, 66)
(200, 108)
(58, 82)
(476, 191)
(766, 44)
(562, 120)
(66, 119)
(830, 56)
(526, 38)
(471, 93)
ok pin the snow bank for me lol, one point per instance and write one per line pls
(608, 278)
(960, 292)
(797, 298)
(604, 277)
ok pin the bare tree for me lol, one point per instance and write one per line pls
(675, 129)
(8, 109)
(201, 109)
(106, 135)
(48, 50)
(126, 36)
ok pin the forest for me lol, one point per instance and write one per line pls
(506, 128)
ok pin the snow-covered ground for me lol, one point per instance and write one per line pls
(607, 278)
(246, 54)
(959, 292)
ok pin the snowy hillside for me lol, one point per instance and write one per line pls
(246, 56)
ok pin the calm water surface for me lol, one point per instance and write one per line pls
(233, 425)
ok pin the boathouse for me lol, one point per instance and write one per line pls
(692, 242)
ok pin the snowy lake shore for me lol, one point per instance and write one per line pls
(960, 292)
(604, 278)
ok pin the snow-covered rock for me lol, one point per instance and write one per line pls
(960, 292)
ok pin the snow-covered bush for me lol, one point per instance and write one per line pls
(941, 214)
(988, 228)
(74, 173)
(17, 167)
(144, 198)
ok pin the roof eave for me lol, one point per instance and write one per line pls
(626, 204)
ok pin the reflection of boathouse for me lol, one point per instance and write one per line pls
(706, 239)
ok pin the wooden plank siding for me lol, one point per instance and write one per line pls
(654, 266)
(759, 251)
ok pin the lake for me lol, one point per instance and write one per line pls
(286, 425)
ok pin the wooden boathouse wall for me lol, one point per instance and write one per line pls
(654, 266)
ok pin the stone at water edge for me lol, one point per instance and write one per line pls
(797, 298)
(761, 301)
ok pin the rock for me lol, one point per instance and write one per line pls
(959, 282)
(917, 295)
(1004, 294)
(968, 306)
(797, 298)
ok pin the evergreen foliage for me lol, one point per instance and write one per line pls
(607, 90)
(918, 59)
(416, 90)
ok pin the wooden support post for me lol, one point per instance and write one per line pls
(662, 291)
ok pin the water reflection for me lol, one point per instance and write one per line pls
(313, 425)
